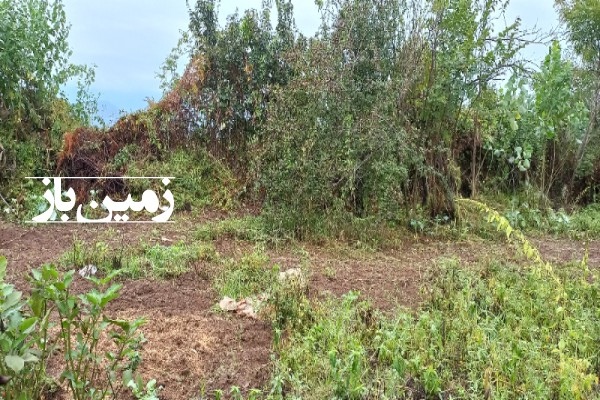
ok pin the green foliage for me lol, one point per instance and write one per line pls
(333, 146)
(23, 345)
(96, 348)
(584, 223)
(582, 19)
(495, 331)
(200, 180)
(563, 120)
(251, 275)
(34, 63)
(34, 110)
(141, 391)
(92, 371)
(248, 228)
(227, 83)
(359, 131)
(144, 261)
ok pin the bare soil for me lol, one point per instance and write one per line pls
(191, 348)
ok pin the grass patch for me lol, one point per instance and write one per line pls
(144, 261)
(585, 221)
(247, 228)
(251, 275)
(492, 332)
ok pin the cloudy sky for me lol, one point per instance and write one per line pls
(128, 40)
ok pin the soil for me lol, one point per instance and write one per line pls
(192, 348)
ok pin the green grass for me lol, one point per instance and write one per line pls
(251, 275)
(586, 221)
(247, 228)
(144, 261)
(492, 331)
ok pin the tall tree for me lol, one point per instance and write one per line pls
(582, 20)
(34, 71)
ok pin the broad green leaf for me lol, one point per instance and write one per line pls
(127, 377)
(11, 300)
(28, 325)
(30, 358)
(15, 363)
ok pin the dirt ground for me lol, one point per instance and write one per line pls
(192, 348)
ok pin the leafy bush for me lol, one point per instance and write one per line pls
(200, 180)
(98, 351)
(23, 345)
(34, 110)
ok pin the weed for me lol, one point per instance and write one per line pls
(141, 391)
(247, 228)
(145, 261)
(248, 276)
(97, 349)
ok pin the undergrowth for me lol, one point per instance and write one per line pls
(135, 262)
(250, 275)
(498, 330)
(200, 180)
(247, 228)
(488, 333)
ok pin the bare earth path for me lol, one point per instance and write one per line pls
(191, 347)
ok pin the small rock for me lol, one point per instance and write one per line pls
(88, 271)
(290, 274)
(246, 307)
(228, 304)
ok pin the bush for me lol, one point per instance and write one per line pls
(98, 351)
(200, 180)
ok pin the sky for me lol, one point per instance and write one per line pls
(128, 40)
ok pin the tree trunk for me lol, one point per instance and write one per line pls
(586, 138)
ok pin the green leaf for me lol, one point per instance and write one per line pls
(30, 358)
(15, 363)
(11, 300)
(28, 325)
(3, 264)
(127, 377)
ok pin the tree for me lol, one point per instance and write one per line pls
(582, 20)
(34, 68)
(559, 113)
(34, 62)
(227, 84)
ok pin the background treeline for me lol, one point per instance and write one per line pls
(393, 109)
